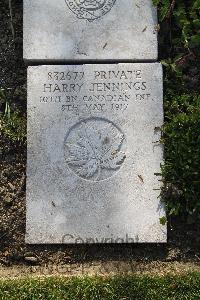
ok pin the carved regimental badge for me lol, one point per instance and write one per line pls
(94, 149)
(90, 9)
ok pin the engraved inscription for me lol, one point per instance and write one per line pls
(94, 149)
(100, 91)
(90, 9)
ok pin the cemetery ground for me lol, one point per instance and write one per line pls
(181, 192)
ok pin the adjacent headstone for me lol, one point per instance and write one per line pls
(73, 30)
(94, 153)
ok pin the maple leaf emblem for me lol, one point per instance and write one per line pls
(95, 146)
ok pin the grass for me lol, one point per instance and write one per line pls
(170, 287)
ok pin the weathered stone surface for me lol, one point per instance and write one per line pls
(89, 30)
(94, 154)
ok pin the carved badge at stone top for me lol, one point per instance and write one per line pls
(94, 149)
(90, 9)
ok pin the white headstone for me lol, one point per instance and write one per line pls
(94, 154)
(76, 30)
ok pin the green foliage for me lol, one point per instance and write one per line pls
(14, 126)
(179, 53)
(180, 29)
(12, 123)
(186, 15)
(163, 6)
(163, 221)
(185, 287)
(182, 159)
